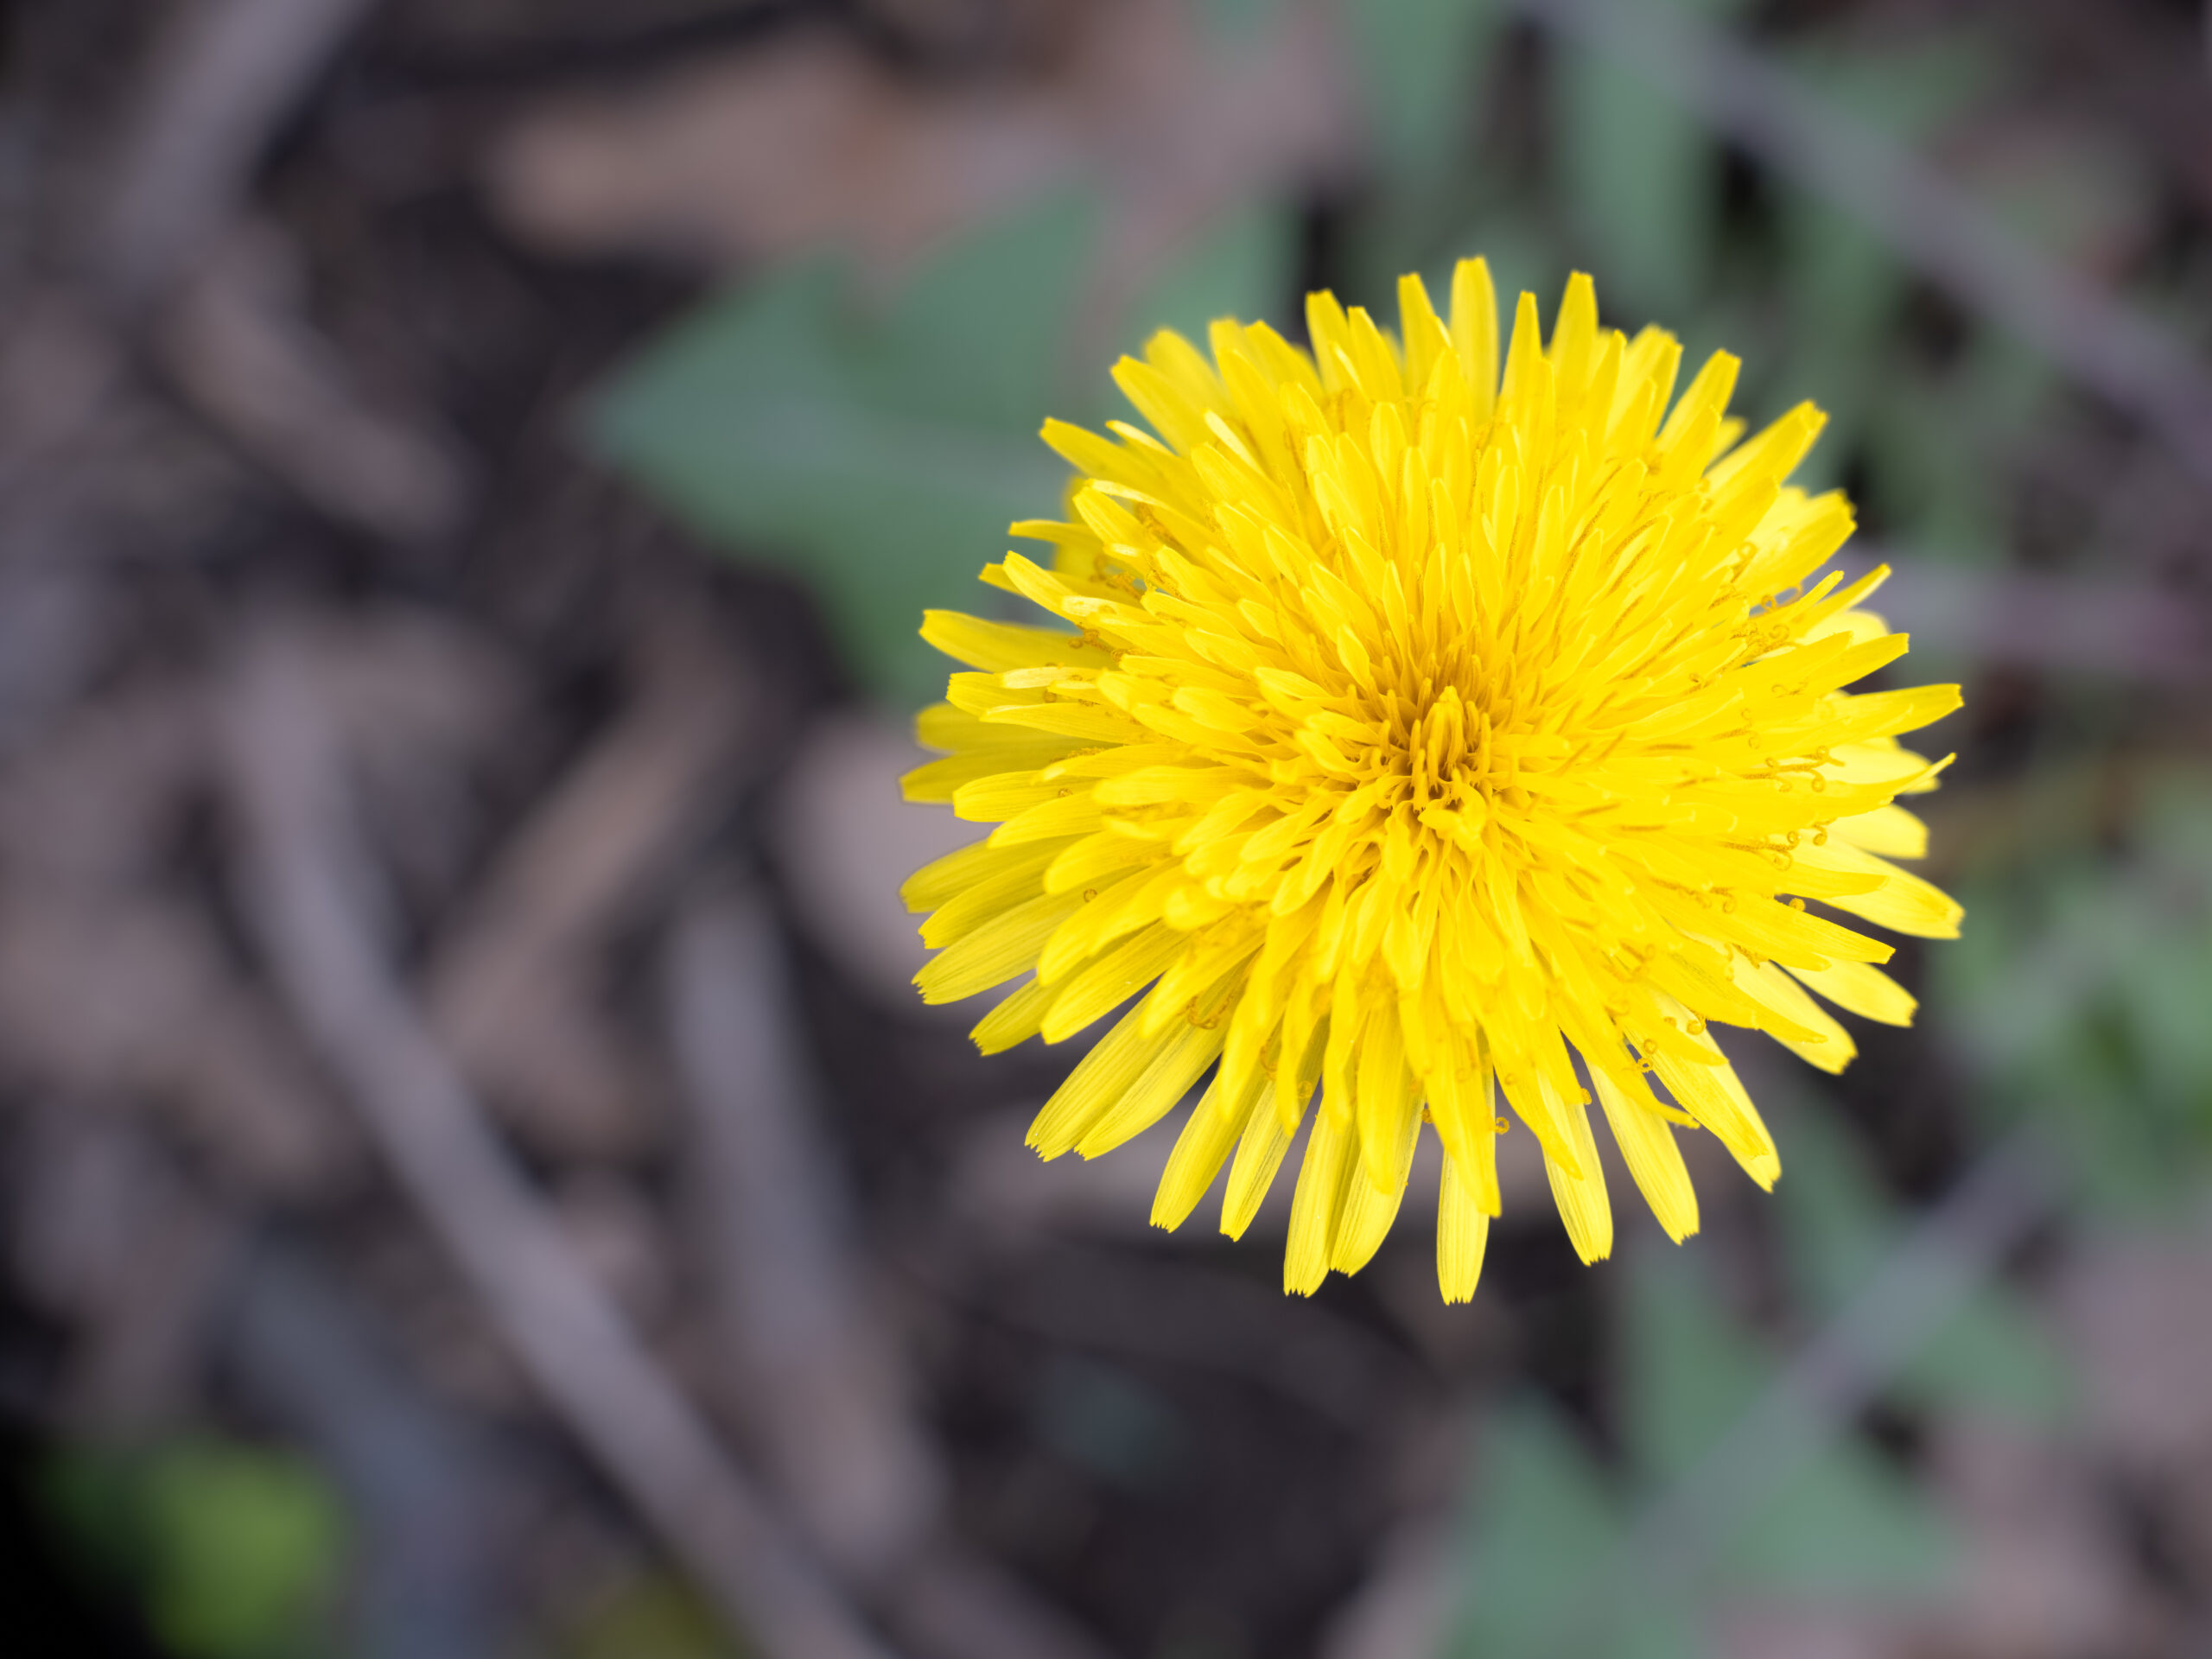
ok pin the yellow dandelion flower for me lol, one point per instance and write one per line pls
(1415, 727)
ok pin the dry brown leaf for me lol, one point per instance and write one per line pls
(813, 143)
(127, 996)
(845, 840)
(2137, 1313)
(114, 983)
(518, 991)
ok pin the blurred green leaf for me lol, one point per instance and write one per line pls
(1932, 439)
(2081, 996)
(882, 456)
(1904, 87)
(1992, 1354)
(2026, 1000)
(233, 1550)
(1523, 255)
(1687, 1372)
(649, 1617)
(1845, 286)
(2171, 991)
(1236, 20)
(1642, 178)
(1420, 64)
(1841, 1524)
(1523, 259)
(1544, 1522)
(1540, 1519)
(1845, 1524)
(981, 331)
(1241, 266)
(1839, 1229)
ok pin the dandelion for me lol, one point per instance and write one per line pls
(1412, 729)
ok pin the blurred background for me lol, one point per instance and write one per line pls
(474, 1179)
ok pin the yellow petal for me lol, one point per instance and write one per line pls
(1330, 1154)
(1462, 1230)
(1862, 988)
(1581, 1195)
(1647, 1144)
(1259, 1156)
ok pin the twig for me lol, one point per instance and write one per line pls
(816, 1375)
(239, 344)
(304, 881)
(224, 75)
(1925, 1280)
(817, 1371)
(509, 989)
(237, 339)
(1940, 230)
(2129, 631)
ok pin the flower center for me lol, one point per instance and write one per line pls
(1448, 744)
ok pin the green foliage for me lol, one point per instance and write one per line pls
(1240, 266)
(1841, 1524)
(1233, 22)
(1642, 178)
(1846, 290)
(1417, 61)
(650, 1617)
(1541, 1517)
(232, 1551)
(880, 454)
(1634, 191)
(1935, 444)
(2080, 993)
(1545, 1523)
(1990, 1356)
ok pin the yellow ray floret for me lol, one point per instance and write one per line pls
(1417, 735)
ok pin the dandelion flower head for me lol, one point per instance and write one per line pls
(1405, 726)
